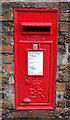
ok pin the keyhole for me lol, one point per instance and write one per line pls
(27, 78)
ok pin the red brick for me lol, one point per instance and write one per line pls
(34, 4)
(7, 27)
(68, 103)
(64, 27)
(63, 113)
(64, 17)
(63, 5)
(7, 58)
(44, 4)
(9, 87)
(5, 79)
(41, 113)
(64, 68)
(67, 38)
(18, 114)
(53, 4)
(64, 77)
(7, 15)
(61, 49)
(61, 86)
(4, 112)
(15, 4)
(5, 4)
(7, 49)
(61, 104)
(61, 38)
(8, 68)
(6, 38)
(6, 104)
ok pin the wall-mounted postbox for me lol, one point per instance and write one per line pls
(36, 38)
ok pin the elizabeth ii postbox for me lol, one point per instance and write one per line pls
(36, 38)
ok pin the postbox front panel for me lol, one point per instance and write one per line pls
(35, 61)
(35, 84)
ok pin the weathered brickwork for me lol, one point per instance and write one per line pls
(62, 111)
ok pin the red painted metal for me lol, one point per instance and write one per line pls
(35, 26)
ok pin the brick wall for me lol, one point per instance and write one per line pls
(62, 110)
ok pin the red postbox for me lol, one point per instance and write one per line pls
(36, 38)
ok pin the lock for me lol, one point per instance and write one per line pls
(27, 81)
(36, 38)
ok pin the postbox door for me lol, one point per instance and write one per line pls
(35, 34)
(34, 73)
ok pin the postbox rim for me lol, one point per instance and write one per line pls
(38, 9)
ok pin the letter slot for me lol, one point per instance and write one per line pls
(36, 28)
